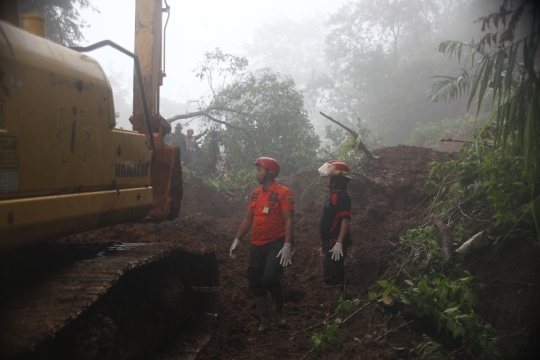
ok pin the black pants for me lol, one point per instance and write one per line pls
(265, 271)
(334, 271)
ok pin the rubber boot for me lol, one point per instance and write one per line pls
(263, 311)
(277, 295)
(333, 294)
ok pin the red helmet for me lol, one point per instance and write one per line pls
(335, 168)
(269, 164)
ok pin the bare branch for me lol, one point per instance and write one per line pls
(200, 113)
(355, 135)
(206, 113)
(220, 121)
(352, 132)
(388, 332)
(185, 116)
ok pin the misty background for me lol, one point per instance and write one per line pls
(366, 63)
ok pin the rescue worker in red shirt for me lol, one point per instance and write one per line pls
(270, 212)
(334, 229)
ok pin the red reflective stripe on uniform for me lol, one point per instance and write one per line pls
(334, 199)
(343, 214)
(339, 216)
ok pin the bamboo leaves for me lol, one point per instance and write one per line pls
(450, 88)
(507, 72)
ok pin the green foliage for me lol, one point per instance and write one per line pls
(490, 185)
(429, 347)
(63, 20)
(346, 305)
(329, 336)
(485, 188)
(432, 289)
(491, 189)
(267, 112)
(330, 333)
(505, 73)
(430, 134)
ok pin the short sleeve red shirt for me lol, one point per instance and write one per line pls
(268, 207)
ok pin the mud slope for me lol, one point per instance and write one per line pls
(385, 204)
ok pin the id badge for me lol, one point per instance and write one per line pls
(266, 209)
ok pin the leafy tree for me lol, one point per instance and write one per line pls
(263, 113)
(275, 123)
(62, 19)
(381, 57)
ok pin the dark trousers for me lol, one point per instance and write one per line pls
(265, 271)
(334, 271)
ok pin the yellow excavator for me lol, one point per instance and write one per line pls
(66, 168)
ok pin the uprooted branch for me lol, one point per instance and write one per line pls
(206, 113)
(200, 113)
(354, 134)
(394, 329)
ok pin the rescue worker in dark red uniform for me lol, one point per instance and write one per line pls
(270, 212)
(334, 229)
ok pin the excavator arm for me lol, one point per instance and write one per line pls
(166, 168)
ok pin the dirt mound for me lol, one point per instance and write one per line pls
(385, 203)
(201, 199)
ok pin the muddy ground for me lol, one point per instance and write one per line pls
(386, 203)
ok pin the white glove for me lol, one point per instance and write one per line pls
(285, 254)
(337, 251)
(233, 248)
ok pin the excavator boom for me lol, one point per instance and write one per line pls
(166, 169)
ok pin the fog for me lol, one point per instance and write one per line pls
(194, 27)
(348, 60)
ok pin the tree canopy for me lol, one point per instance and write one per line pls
(62, 19)
(264, 113)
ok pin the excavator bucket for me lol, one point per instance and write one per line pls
(166, 182)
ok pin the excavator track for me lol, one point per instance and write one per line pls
(115, 302)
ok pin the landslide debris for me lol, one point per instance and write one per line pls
(387, 200)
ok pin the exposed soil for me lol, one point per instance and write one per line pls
(385, 204)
